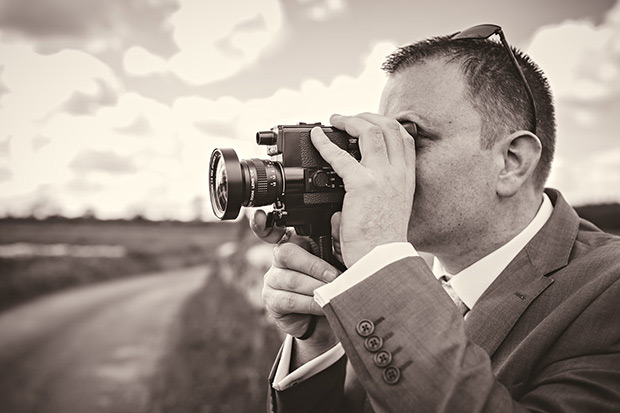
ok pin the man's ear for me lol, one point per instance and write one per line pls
(519, 153)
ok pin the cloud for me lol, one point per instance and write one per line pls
(92, 25)
(40, 132)
(216, 128)
(580, 58)
(82, 103)
(5, 174)
(582, 63)
(38, 142)
(83, 186)
(138, 61)
(39, 83)
(44, 18)
(140, 126)
(4, 146)
(110, 162)
(314, 101)
(3, 89)
(215, 40)
(323, 10)
(590, 178)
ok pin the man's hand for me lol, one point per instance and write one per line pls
(379, 190)
(289, 287)
(288, 295)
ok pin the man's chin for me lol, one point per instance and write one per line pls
(423, 244)
(418, 241)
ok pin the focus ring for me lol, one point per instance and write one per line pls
(261, 179)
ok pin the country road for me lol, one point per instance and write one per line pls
(94, 348)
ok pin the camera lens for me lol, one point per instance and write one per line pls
(225, 183)
(249, 182)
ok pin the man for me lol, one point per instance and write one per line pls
(527, 316)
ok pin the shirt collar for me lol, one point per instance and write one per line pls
(472, 281)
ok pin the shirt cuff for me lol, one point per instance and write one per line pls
(380, 257)
(282, 380)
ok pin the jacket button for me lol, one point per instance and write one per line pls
(365, 328)
(391, 375)
(373, 343)
(383, 358)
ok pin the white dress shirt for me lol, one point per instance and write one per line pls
(469, 284)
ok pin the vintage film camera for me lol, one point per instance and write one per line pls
(301, 185)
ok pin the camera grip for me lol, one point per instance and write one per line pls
(321, 246)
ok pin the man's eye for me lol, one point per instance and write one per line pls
(410, 127)
(422, 133)
(422, 136)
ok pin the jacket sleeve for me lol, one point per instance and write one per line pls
(406, 342)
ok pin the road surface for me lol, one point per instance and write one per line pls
(94, 348)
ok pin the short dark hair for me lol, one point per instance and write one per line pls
(494, 87)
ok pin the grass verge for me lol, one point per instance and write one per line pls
(222, 357)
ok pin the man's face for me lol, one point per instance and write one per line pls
(455, 176)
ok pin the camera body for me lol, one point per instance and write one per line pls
(301, 185)
(312, 191)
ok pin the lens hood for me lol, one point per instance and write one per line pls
(225, 183)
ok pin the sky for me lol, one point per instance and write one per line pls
(113, 107)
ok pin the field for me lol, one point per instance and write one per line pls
(81, 252)
(224, 344)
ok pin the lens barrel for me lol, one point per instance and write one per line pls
(264, 182)
(249, 182)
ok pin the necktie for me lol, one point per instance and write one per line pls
(459, 303)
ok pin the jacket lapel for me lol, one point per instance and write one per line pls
(525, 278)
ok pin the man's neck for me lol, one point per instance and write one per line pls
(515, 217)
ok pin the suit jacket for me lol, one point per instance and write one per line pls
(543, 337)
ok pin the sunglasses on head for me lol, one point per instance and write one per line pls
(484, 31)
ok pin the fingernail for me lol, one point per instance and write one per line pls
(329, 276)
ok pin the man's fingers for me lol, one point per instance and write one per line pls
(395, 136)
(371, 138)
(273, 234)
(341, 161)
(283, 303)
(410, 154)
(335, 221)
(293, 281)
(258, 223)
(294, 324)
(293, 257)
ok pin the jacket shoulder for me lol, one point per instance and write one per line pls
(598, 249)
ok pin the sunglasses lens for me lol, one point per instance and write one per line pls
(481, 31)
